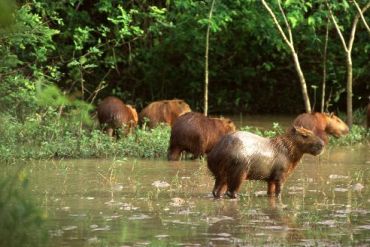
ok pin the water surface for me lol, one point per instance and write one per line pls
(326, 201)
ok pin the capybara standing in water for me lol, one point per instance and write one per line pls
(164, 111)
(322, 124)
(197, 134)
(114, 114)
(242, 155)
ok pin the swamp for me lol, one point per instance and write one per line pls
(137, 202)
(77, 172)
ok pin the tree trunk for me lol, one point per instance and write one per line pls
(322, 108)
(302, 81)
(206, 80)
(289, 42)
(349, 90)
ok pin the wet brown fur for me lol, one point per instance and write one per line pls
(113, 114)
(242, 155)
(164, 111)
(197, 134)
(322, 124)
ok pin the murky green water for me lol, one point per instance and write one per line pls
(158, 203)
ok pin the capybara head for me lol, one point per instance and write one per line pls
(181, 106)
(229, 125)
(335, 126)
(306, 140)
(134, 113)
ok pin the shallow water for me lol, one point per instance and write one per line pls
(326, 201)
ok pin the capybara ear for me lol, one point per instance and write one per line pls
(331, 114)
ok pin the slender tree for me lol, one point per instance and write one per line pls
(325, 55)
(206, 79)
(348, 50)
(289, 41)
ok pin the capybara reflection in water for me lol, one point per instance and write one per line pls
(164, 111)
(197, 134)
(242, 155)
(114, 114)
(322, 124)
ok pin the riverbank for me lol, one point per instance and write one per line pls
(58, 138)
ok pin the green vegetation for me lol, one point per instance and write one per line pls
(21, 222)
(57, 59)
(53, 137)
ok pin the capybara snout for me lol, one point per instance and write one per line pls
(307, 140)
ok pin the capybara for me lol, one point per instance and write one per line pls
(114, 114)
(164, 111)
(197, 134)
(242, 155)
(322, 124)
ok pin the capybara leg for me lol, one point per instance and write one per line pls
(220, 187)
(234, 182)
(278, 188)
(271, 188)
(110, 132)
(174, 154)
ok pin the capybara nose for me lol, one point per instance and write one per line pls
(320, 145)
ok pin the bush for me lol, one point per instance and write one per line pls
(21, 222)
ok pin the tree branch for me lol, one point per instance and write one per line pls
(361, 14)
(354, 25)
(286, 23)
(337, 27)
(278, 25)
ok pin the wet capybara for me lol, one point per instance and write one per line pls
(164, 111)
(242, 155)
(114, 114)
(197, 134)
(322, 124)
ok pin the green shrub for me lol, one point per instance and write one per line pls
(21, 222)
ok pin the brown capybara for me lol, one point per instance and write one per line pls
(242, 155)
(197, 134)
(114, 114)
(164, 111)
(322, 124)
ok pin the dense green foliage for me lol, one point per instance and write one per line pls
(142, 51)
(21, 222)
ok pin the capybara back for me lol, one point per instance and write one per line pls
(197, 134)
(164, 111)
(114, 114)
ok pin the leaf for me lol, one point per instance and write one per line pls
(311, 21)
(293, 21)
